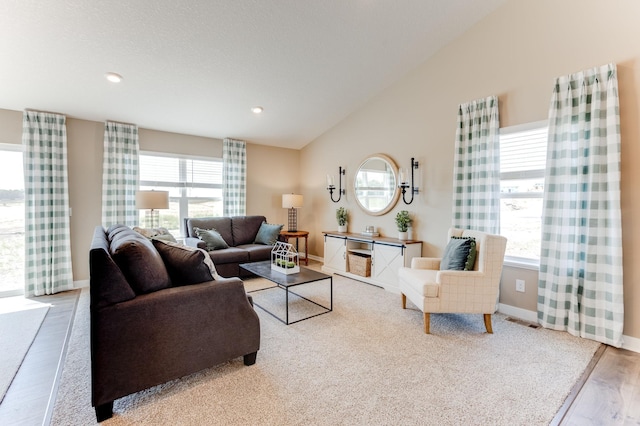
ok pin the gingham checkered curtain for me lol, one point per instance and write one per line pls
(580, 281)
(476, 171)
(120, 174)
(234, 171)
(47, 232)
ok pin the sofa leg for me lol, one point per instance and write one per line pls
(104, 411)
(487, 323)
(404, 301)
(250, 359)
(427, 322)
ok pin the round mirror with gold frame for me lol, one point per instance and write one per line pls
(376, 184)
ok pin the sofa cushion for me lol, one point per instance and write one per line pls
(230, 255)
(212, 239)
(245, 228)
(108, 284)
(257, 252)
(140, 263)
(118, 231)
(268, 233)
(459, 254)
(186, 265)
(220, 224)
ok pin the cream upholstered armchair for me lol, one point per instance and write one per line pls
(472, 291)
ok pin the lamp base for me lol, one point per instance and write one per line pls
(292, 222)
(151, 218)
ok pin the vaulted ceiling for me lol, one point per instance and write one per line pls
(198, 66)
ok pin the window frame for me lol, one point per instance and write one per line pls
(517, 261)
(14, 147)
(183, 185)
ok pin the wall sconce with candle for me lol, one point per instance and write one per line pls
(331, 187)
(403, 185)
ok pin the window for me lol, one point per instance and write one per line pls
(11, 220)
(194, 185)
(523, 156)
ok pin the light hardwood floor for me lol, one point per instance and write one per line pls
(607, 394)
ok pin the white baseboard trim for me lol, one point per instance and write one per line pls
(81, 284)
(629, 343)
(319, 259)
(520, 313)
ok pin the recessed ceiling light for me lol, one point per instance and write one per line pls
(113, 77)
(256, 109)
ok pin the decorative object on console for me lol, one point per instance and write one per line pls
(331, 187)
(284, 258)
(370, 231)
(292, 202)
(403, 220)
(342, 217)
(152, 201)
(403, 184)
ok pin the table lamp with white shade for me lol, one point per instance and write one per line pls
(152, 201)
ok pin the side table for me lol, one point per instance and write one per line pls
(285, 235)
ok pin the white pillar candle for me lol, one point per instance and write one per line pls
(329, 181)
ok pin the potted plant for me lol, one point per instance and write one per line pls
(403, 220)
(341, 216)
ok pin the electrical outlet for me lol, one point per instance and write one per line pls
(520, 286)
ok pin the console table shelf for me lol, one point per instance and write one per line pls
(386, 254)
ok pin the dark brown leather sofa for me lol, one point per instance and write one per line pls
(157, 315)
(239, 232)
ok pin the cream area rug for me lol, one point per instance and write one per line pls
(20, 320)
(367, 362)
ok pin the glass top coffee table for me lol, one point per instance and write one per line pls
(287, 282)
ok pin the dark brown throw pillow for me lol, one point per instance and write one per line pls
(141, 264)
(186, 265)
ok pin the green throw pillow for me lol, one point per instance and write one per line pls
(459, 254)
(212, 239)
(268, 234)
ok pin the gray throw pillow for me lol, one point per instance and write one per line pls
(268, 234)
(459, 254)
(212, 239)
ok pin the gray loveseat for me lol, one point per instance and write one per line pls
(157, 314)
(239, 232)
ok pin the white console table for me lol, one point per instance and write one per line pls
(387, 255)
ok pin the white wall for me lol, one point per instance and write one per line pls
(514, 53)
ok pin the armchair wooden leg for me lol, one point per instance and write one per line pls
(427, 322)
(487, 323)
(404, 301)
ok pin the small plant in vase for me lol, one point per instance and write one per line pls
(403, 220)
(341, 216)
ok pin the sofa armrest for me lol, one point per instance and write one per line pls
(468, 291)
(169, 333)
(195, 242)
(454, 276)
(425, 263)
